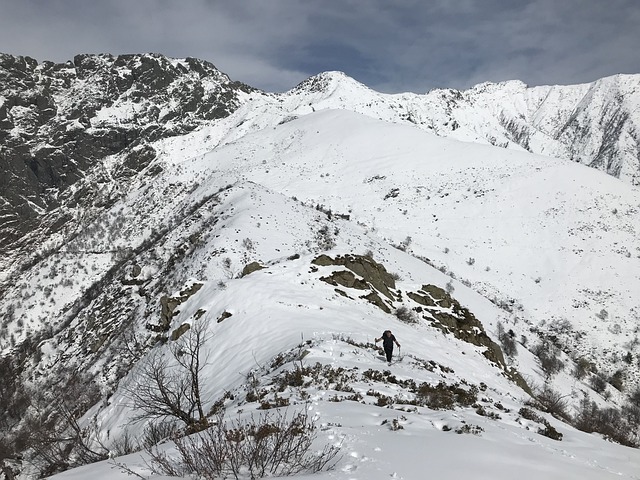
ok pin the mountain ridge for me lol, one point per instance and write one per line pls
(50, 139)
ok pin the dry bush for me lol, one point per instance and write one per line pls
(445, 397)
(405, 315)
(548, 355)
(169, 386)
(271, 445)
(157, 432)
(620, 426)
(598, 383)
(550, 401)
(548, 430)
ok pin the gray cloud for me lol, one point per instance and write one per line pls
(405, 45)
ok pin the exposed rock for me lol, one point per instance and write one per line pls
(169, 305)
(371, 271)
(374, 298)
(178, 332)
(250, 268)
(426, 300)
(346, 279)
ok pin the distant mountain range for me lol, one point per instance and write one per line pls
(59, 121)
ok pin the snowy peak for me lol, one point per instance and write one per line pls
(58, 121)
(596, 124)
(327, 83)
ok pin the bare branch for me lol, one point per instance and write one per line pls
(168, 385)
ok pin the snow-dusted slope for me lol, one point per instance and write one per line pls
(58, 123)
(285, 311)
(551, 240)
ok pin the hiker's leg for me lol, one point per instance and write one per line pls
(389, 352)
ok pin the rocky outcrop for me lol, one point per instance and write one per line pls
(434, 304)
(250, 268)
(59, 121)
(178, 332)
(363, 273)
(372, 272)
(169, 306)
(446, 313)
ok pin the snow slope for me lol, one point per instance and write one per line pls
(554, 240)
(286, 309)
(457, 202)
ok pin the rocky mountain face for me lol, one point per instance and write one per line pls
(60, 121)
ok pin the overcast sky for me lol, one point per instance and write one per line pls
(389, 45)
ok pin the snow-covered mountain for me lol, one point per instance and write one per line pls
(595, 124)
(58, 122)
(143, 196)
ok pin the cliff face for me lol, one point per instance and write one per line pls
(60, 121)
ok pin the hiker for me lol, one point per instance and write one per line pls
(387, 342)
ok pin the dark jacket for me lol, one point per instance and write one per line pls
(387, 342)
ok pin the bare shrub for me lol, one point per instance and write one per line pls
(548, 430)
(598, 383)
(583, 366)
(405, 315)
(226, 265)
(551, 401)
(404, 245)
(247, 243)
(325, 238)
(617, 380)
(548, 355)
(157, 432)
(168, 386)
(445, 397)
(271, 445)
(507, 340)
(124, 445)
(449, 288)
